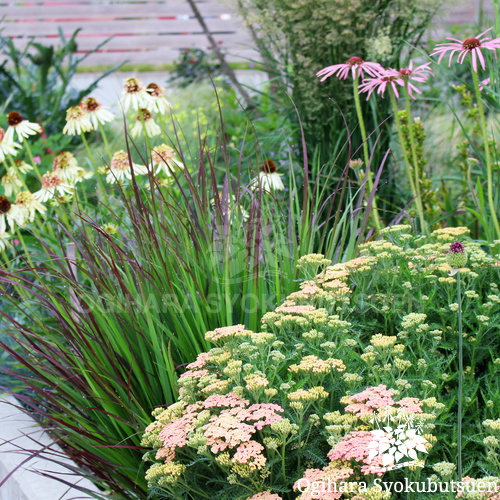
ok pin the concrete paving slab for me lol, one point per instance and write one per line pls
(18, 431)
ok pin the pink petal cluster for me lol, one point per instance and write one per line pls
(354, 446)
(369, 400)
(474, 46)
(234, 424)
(411, 404)
(265, 495)
(227, 431)
(395, 78)
(201, 361)
(250, 453)
(353, 65)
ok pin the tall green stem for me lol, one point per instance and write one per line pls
(489, 174)
(105, 139)
(32, 159)
(401, 136)
(413, 146)
(366, 153)
(460, 377)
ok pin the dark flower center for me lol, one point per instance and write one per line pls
(471, 43)
(405, 72)
(154, 89)
(5, 205)
(355, 61)
(90, 104)
(389, 78)
(14, 118)
(144, 115)
(269, 167)
(456, 247)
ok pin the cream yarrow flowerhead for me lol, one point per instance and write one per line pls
(145, 124)
(269, 179)
(77, 121)
(120, 168)
(22, 127)
(135, 95)
(96, 112)
(163, 159)
(456, 255)
(354, 65)
(474, 46)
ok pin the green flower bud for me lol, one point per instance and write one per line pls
(456, 256)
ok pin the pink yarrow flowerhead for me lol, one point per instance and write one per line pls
(474, 46)
(355, 65)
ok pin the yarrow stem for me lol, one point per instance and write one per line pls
(413, 146)
(491, 201)
(366, 152)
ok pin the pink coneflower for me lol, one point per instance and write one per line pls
(352, 64)
(380, 83)
(397, 77)
(472, 45)
(419, 74)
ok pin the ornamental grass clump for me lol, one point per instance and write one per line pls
(361, 357)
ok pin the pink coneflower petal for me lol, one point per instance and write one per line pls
(353, 65)
(473, 45)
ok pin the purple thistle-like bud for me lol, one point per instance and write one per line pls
(456, 256)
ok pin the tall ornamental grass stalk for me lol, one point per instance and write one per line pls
(120, 299)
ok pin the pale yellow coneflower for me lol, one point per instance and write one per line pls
(119, 168)
(4, 235)
(163, 159)
(11, 183)
(7, 146)
(96, 112)
(145, 124)
(77, 121)
(158, 103)
(52, 185)
(22, 127)
(110, 228)
(269, 179)
(135, 95)
(21, 167)
(5, 211)
(66, 166)
(25, 208)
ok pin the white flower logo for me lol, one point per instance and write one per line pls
(392, 445)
